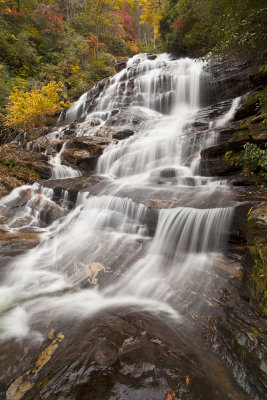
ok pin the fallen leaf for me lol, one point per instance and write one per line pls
(187, 380)
(169, 396)
(250, 211)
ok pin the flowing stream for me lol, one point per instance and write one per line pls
(111, 232)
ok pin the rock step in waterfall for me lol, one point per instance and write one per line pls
(102, 249)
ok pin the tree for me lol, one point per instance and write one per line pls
(151, 14)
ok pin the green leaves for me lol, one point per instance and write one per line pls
(220, 26)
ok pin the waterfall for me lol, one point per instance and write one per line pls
(60, 171)
(146, 251)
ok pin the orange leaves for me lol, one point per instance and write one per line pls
(94, 44)
(169, 396)
(250, 211)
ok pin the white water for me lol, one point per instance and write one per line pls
(115, 232)
(60, 171)
(230, 114)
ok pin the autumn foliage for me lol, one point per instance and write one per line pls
(30, 108)
(49, 17)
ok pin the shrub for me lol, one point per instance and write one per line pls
(30, 108)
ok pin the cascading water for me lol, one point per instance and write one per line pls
(159, 145)
(60, 171)
(156, 252)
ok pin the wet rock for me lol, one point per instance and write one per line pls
(106, 354)
(83, 152)
(217, 167)
(256, 258)
(71, 129)
(235, 144)
(120, 64)
(228, 79)
(136, 356)
(238, 228)
(17, 243)
(124, 117)
(95, 122)
(120, 135)
(241, 180)
(72, 185)
(200, 124)
(115, 111)
(151, 56)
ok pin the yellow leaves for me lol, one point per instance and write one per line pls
(151, 13)
(132, 46)
(75, 69)
(187, 380)
(31, 108)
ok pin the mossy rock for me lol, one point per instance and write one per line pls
(255, 105)
(248, 108)
(256, 236)
(258, 77)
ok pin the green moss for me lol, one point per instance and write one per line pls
(256, 235)
(254, 330)
(241, 352)
(10, 163)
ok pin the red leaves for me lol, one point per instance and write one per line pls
(49, 15)
(10, 11)
(94, 44)
(178, 24)
(129, 34)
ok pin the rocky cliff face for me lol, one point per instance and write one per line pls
(192, 189)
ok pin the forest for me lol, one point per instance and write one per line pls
(53, 51)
